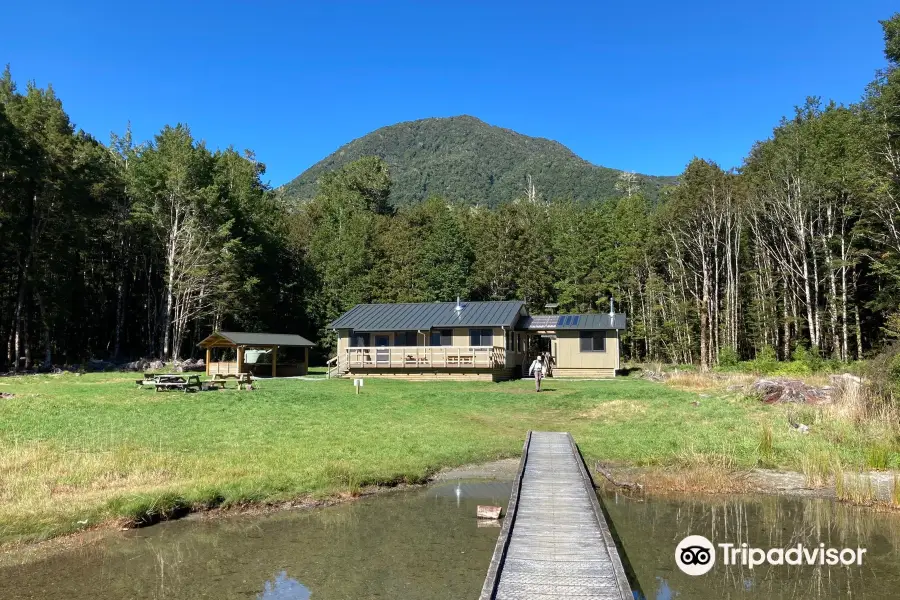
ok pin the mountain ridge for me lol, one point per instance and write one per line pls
(463, 158)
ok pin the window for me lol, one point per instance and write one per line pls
(593, 341)
(406, 338)
(481, 337)
(359, 339)
(442, 337)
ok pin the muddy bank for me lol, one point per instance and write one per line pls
(715, 481)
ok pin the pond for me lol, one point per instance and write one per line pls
(650, 529)
(426, 543)
(423, 543)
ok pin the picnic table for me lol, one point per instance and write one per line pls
(242, 379)
(170, 381)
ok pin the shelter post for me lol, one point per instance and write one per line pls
(274, 360)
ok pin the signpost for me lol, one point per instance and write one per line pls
(357, 383)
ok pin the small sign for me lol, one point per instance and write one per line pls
(487, 512)
(357, 383)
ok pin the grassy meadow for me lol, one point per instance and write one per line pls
(76, 451)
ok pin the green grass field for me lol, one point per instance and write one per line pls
(77, 451)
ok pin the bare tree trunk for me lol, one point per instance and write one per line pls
(45, 330)
(120, 304)
(26, 341)
(832, 299)
(817, 309)
(170, 282)
(786, 339)
(845, 354)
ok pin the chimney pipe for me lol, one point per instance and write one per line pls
(612, 310)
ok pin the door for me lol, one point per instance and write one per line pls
(382, 356)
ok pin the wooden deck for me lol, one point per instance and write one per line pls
(555, 542)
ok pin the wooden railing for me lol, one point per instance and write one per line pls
(335, 368)
(223, 367)
(426, 357)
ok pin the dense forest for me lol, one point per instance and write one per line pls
(463, 159)
(131, 249)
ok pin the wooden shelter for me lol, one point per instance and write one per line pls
(267, 343)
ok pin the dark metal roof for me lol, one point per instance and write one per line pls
(424, 316)
(591, 321)
(240, 338)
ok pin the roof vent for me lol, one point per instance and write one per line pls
(612, 310)
(458, 307)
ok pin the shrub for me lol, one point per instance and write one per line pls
(728, 357)
(811, 359)
(792, 369)
(882, 374)
(766, 361)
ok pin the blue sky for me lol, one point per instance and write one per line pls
(640, 86)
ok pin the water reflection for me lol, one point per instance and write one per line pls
(427, 544)
(419, 544)
(649, 530)
(284, 588)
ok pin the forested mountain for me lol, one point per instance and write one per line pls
(464, 159)
(141, 248)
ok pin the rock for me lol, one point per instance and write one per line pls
(138, 366)
(157, 365)
(6, 396)
(193, 365)
(790, 390)
(799, 427)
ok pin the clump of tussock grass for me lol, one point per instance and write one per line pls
(765, 449)
(862, 403)
(854, 487)
(817, 466)
(343, 477)
(697, 471)
(877, 456)
(143, 510)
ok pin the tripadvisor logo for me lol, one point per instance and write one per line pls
(696, 555)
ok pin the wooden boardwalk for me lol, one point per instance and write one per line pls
(555, 542)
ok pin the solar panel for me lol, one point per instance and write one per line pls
(543, 322)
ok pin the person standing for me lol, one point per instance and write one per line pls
(537, 367)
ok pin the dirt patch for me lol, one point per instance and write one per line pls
(6, 396)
